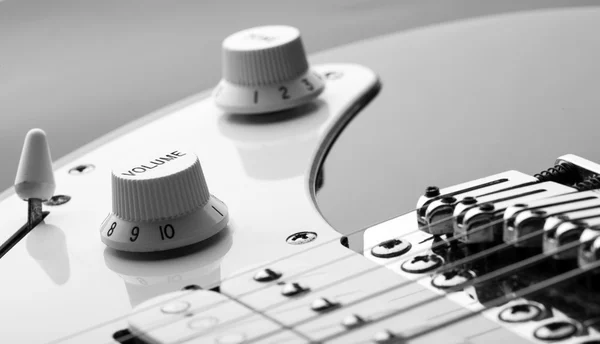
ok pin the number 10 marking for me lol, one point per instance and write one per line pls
(167, 232)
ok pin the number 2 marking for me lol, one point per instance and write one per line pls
(284, 92)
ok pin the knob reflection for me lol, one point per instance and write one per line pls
(47, 244)
(148, 275)
(277, 145)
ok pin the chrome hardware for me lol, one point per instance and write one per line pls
(522, 312)
(266, 275)
(436, 207)
(423, 263)
(556, 330)
(589, 251)
(524, 219)
(434, 214)
(560, 235)
(452, 278)
(583, 167)
(391, 248)
(353, 321)
(293, 289)
(385, 337)
(322, 304)
(301, 238)
(57, 200)
(485, 220)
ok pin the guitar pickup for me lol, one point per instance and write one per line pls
(436, 209)
(550, 218)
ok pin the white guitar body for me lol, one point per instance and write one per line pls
(62, 284)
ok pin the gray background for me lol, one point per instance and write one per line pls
(79, 69)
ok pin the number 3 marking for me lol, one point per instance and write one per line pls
(308, 85)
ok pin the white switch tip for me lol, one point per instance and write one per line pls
(35, 177)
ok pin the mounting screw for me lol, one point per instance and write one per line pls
(57, 200)
(82, 169)
(448, 200)
(432, 191)
(469, 200)
(486, 207)
(333, 75)
(301, 238)
(191, 287)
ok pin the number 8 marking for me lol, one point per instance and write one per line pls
(111, 230)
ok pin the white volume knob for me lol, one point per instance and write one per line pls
(265, 70)
(161, 203)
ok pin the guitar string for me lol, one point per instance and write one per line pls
(233, 276)
(502, 272)
(352, 254)
(265, 265)
(465, 260)
(527, 291)
(482, 279)
(339, 281)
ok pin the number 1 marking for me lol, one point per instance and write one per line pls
(217, 210)
(255, 97)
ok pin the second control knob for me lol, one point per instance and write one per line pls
(264, 70)
(161, 203)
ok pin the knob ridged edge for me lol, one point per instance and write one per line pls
(263, 56)
(163, 197)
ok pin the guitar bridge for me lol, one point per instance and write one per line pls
(559, 217)
(462, 209)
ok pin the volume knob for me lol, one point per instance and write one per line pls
(265, 70)
(161, 203)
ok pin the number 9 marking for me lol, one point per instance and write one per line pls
(135, 232)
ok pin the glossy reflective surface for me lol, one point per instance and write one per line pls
(462, 101)
(63, 268)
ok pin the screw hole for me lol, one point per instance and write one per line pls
(82, 169)
(57, 200)
(191, 287)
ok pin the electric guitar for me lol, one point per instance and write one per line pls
(207, 221)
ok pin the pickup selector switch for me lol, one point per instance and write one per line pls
(160, 203)
(265, 70)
